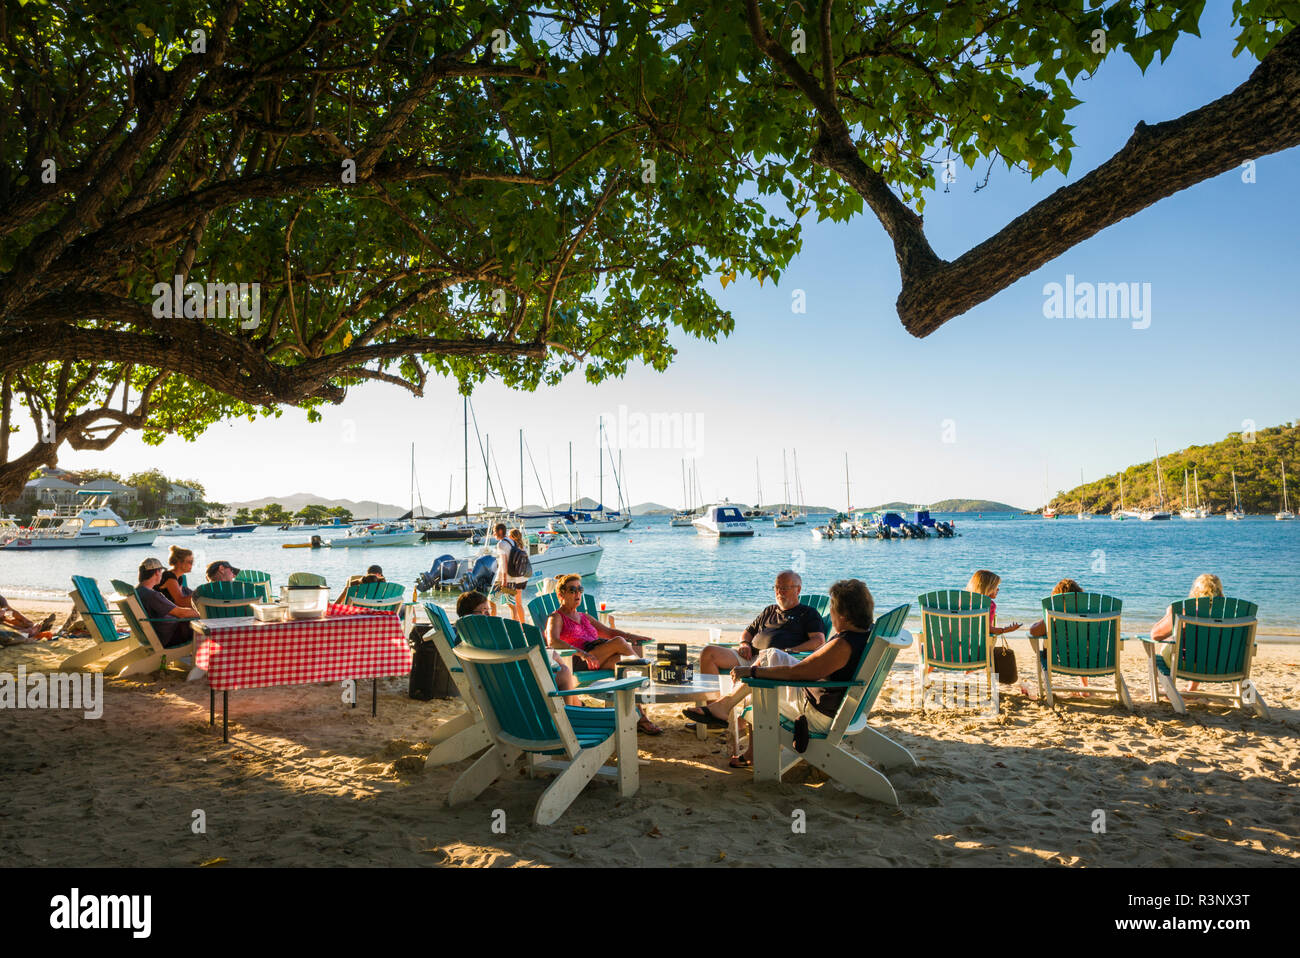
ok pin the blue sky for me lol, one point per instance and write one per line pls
(980, 408)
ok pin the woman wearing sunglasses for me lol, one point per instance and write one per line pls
(598, 645)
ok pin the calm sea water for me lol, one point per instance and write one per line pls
(662, 574)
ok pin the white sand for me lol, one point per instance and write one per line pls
(307, 781)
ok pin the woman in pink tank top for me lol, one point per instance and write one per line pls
(598, 645)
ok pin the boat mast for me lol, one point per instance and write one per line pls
(798, 483)
(684, 498)
(758, 481)
(570, 475)
(600, 457)
(1160, 484)
(1236, 506)
(785, 475)
(521, 470)
(848, 499)
(1285, 506)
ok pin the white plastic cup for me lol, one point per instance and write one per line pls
(725, 684)
(715, 636)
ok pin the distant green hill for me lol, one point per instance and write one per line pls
(951, 505)
(1259, 476)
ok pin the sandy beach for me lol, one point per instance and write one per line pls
(308, 781)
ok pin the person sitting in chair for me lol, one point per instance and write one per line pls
(853, 611)
(787, 625)
(476, 603)
(598, 645)
(157, 606)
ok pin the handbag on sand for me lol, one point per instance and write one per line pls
(1004, 662)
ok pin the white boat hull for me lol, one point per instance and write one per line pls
(372, 542)
(83, 542)
(595, 525)
(571, 560)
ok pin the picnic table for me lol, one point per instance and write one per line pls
(348, 644)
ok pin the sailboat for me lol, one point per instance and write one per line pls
(756, 512)
(1187, 512)
(1048, 511)
(1235, 513)
(599, 519)
(801, 513)
(684, 518)
(1286, 512)
(1082, 514)
(784, 518)
(1162, 512)
(1120, 514)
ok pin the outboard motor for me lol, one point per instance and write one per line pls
(443, 570)
(482, 576)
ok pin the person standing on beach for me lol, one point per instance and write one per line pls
(507, 584)
(787, 625)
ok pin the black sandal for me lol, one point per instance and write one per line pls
(801, 734)
(697, 713)
(739, 761)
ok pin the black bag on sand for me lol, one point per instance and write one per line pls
(429, 677)
(1004, 663)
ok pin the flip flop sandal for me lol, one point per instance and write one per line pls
(648, 727)
(801, 734)
(739, 761)
(697, 714)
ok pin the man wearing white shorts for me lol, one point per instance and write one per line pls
(852, 610)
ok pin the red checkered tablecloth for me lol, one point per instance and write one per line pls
(244, 654)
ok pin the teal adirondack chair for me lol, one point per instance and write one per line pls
(380, 596)
(955, 637)
(94, 611)
(1213, 641)
(774, 753)
(149, 655)
(508, 670)
(467, 734)
(306, 578)
(543, 606)
(260, 579)
(227, 600)
(821, 604)
(1082, 638)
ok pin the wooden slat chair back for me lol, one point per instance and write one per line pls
(509, 673)
(1213, 641)
(227, 600)
(821, 604)
(1082, 638)
(149, 654)
(774, 753)
(260, 579)
(94, 611)
(306, 578)
(544, 606)
(955, 636)
(380, 596)
(466, 734)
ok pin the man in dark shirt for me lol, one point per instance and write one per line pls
(786, 624)
(157, 606)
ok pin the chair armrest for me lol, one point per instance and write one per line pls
(1150, 641)
(792, 684)
(605, 686)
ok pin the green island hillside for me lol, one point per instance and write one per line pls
(1258, 465)
(950, 505)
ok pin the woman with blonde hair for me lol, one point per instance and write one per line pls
(987, 583)
(598, 645)
(172, 583)
(1207, 585)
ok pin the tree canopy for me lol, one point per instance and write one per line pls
(480, 190)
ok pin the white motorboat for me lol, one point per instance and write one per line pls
(300, 525)
(1286, 514)
(553, 554)
(163, 526)
(723, 521)
(88, 525)
(379, 534)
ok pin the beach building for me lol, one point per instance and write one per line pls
(121, 494)
(50, 490)
(180, 495)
